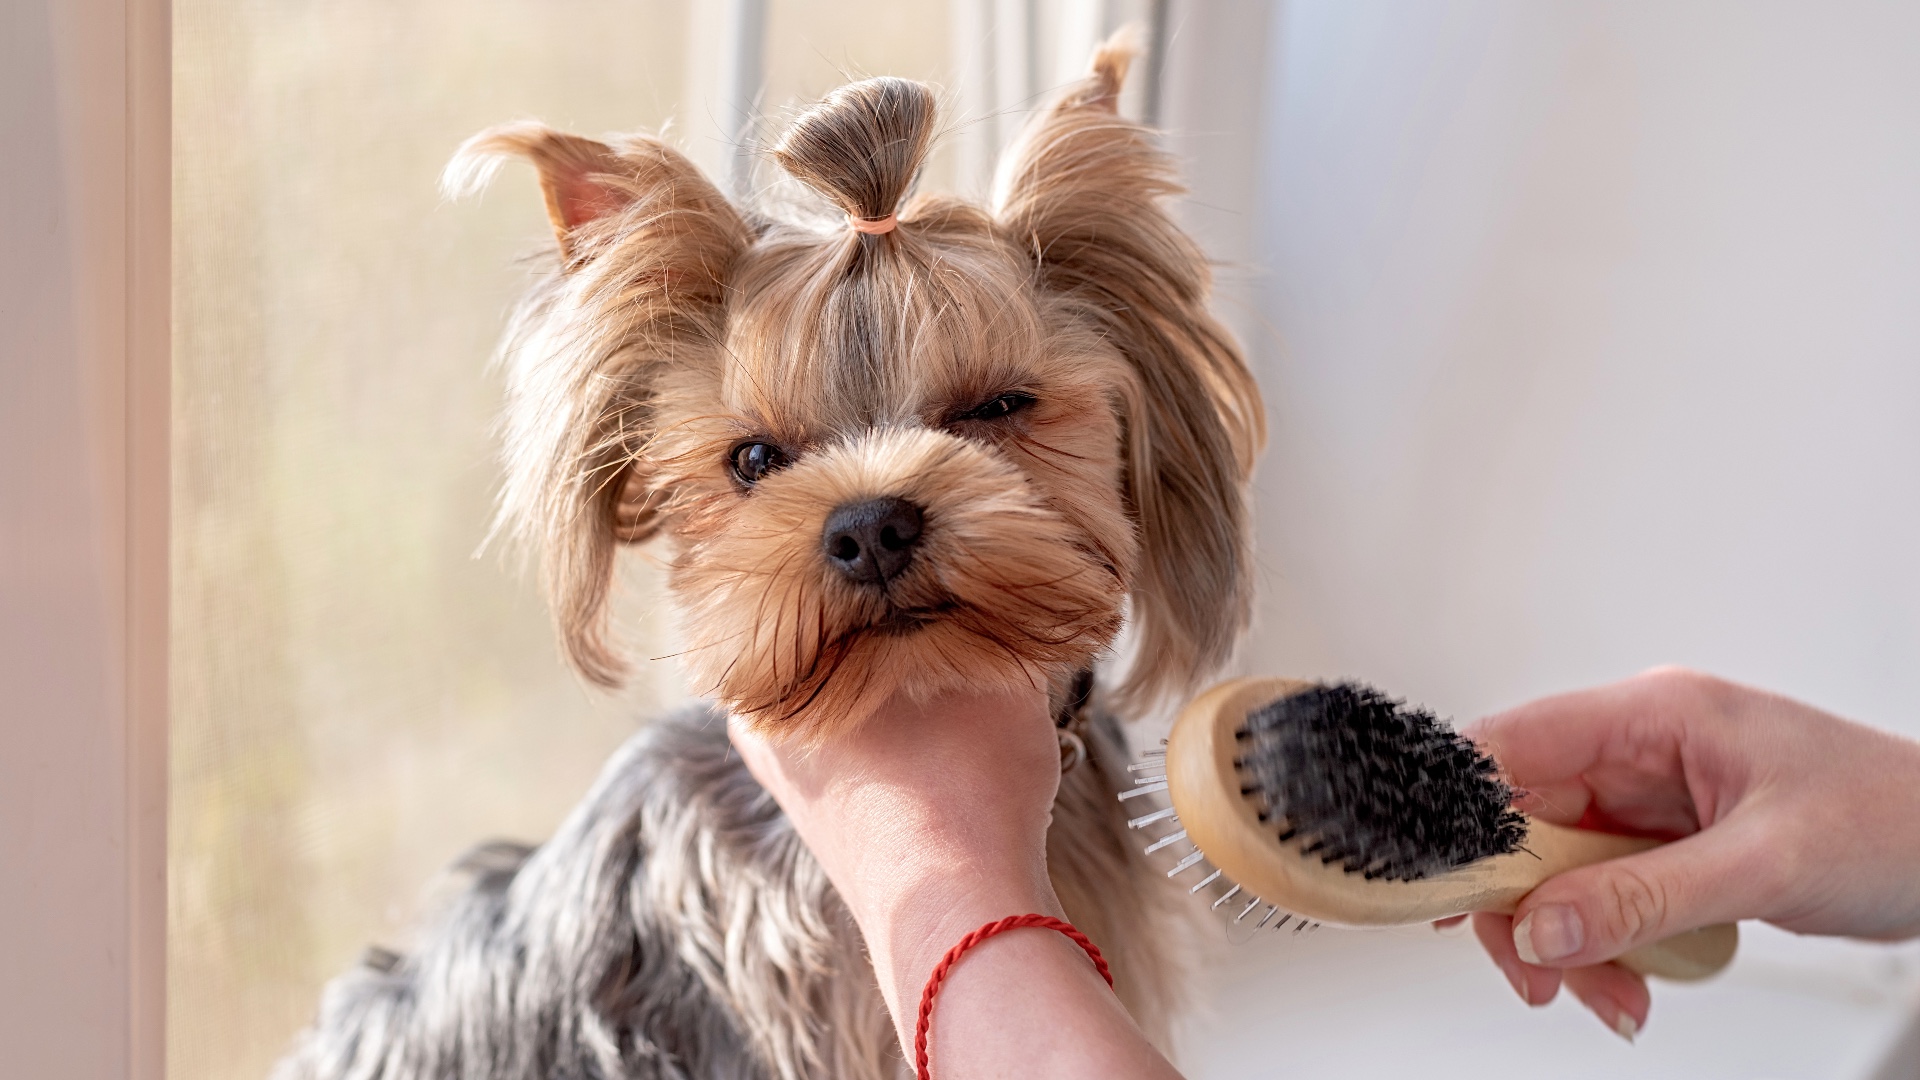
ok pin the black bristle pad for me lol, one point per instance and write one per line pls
(1378, 788)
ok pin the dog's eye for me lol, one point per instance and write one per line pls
(753, 460)
(1001, 407)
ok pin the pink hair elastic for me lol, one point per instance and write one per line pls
(873, 226)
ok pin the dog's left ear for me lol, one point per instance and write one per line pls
(647, 247)
(1083, 192)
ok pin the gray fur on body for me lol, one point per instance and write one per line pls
(676, 927)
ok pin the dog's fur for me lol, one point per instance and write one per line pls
(675, 926)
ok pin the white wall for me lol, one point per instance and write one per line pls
(1600, 347)
(1593, 342)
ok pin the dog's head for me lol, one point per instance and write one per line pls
(946, 454)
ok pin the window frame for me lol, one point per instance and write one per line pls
(83, 534)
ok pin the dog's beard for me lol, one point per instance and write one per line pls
(1001, 590)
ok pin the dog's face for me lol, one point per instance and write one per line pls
(918, 488)
(944, 455)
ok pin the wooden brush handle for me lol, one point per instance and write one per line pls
(1684, 957)
(1225, 825)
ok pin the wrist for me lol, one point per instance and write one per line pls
(913, 927)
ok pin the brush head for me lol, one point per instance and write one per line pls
(1349, 775)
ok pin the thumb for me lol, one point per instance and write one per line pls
(1593, 914)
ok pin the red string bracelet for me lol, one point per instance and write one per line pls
(1011, 922)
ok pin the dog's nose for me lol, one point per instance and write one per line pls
(872, 541)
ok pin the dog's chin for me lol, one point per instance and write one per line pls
(920, 652)
(903, 622)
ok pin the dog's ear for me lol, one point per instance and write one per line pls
(583, 180)
(647, 246)
(1083, 192)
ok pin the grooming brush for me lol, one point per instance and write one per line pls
(1335, 804)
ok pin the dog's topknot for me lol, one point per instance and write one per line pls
(862, 146)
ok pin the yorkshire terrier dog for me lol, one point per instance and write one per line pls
(924, 447)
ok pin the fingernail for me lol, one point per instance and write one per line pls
(1624, 1026)
(1549, 932)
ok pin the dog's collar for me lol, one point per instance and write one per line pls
(1073, 707)
(1070, 723)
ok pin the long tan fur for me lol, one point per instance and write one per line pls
(1084, 194)
(638, 299)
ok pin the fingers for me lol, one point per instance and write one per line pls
(1535, 985)
(1643, 720)
(1560, 803)
(1593, 914)
(1643, 756)
(1614, 994)
(752, 748)
(1557, 738)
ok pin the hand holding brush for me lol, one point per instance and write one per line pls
(1696, 802)
(1777, 811)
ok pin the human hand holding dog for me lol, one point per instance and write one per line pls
(924, 815)
(930, 818)
(1781, 812)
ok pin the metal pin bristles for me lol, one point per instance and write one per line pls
(1145, 820)
(1167, 841)
(1186, 863)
